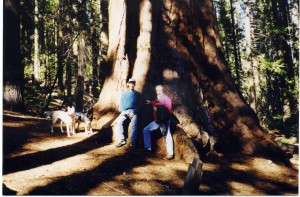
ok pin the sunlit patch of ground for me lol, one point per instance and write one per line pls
(248, 176)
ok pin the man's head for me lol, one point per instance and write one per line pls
(159, 90)
(131, 84)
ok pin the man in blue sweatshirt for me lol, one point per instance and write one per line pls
(130, 106)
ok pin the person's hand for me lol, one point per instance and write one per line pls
(147, 101)
(131, 115)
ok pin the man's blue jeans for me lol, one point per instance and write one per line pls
(168, 136)
(124, 119)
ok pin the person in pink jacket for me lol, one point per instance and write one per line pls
(162, 100)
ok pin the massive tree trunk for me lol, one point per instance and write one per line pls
(176, 44)
(13, 69)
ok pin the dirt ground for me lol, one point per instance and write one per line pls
(38, 162)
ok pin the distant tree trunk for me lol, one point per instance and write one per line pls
(95, 82)
(249, 67)
(27, 30)
(294, 13)
(79, 89)
(36, 61)
(13, 69)
(103, 43)
(287, 54)
(59, 47)
(235, 48)
(95, 41)
(69, 77)
(178, 46)
(68, 24)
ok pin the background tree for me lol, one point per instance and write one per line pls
(181, 49)
(272, 86)
(13, 69)
(60, 22)
(36, 59)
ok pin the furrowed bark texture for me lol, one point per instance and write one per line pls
(177, 45)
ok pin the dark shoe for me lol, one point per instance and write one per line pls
(147, 151)
(168, 157)
(133, 147)
(122, 143)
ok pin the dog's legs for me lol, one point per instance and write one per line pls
(68, 128)
(53, 122)
(73, 127)
(61, 126)
(85, 128)
(90, 128)
(78, 124)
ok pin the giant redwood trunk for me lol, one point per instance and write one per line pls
(175, 43)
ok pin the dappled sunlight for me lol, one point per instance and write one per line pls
(14, 124)
(242, 188)
(47, 163)
(268, 169)
(40, 142)
(232, 98)
(51, 163)
(247, 176)
(46, 174)
(169, 74)
(150, 178)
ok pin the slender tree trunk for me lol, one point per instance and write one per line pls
(69, 77)
(287, 55)
(59, 47)
(95, 65)
(69, 52)
(36, 61)
(235, 48)
(186, 56)
(13, 69)
(249, 67)
(79, 90)
(95, 82)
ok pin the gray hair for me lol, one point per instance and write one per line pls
(159, 86)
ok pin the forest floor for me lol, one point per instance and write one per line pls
(38, 162)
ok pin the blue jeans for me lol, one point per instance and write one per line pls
(124, 119)
(168, 136)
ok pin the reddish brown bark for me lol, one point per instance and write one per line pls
(185, 55)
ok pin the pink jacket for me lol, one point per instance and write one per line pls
(166, 101)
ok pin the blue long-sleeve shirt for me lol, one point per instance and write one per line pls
(131, 100)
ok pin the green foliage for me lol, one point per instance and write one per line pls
(33, 98)
(59, 24)
(271, 37)
(276, 67)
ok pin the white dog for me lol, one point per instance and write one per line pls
(48, 114)
(65, 117)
